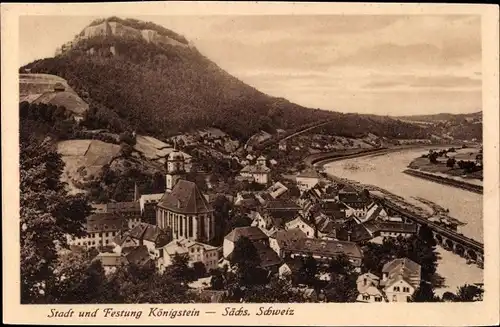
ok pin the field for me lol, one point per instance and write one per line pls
(84, 159)
(440, 167)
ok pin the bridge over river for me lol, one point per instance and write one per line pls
(449, 239)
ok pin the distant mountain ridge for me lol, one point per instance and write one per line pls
(141, 76)
(440, 117)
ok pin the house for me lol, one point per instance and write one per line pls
(254, 234)
(195, 251)
(324, 250)
(367, 286)
(354, 232)
(282, 146)
(307, 179)
(302, 224)
(273, 162)
(390, 229)
(143, 234)
(186, 212)
(276, 190)
(246, 199)
(374, 211)
(263, 197)
(101, 229)
(111, 261)
(400, 279)
(279, 212)
(258, 172)
(357, 204)
(281, 237)
(269, 259)
(325, 226)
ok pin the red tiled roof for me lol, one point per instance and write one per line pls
(185, 198)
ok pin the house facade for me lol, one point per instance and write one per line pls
(300, 223)
(101, 229)
(400, 279)
(195, 251)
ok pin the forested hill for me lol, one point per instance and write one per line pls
(143, 77)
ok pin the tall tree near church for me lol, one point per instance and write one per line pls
(47, 214)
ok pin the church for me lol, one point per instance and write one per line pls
(183, 209)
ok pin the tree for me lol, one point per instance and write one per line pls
(341, 288)
(308, 270)
(276, 291)
(433, 157)
(469, 293)
(425, 293)
(199, 270)
(450, 162)
(246, 260)
(179, 270)
(45, 206)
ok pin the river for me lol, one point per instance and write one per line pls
(386, 171)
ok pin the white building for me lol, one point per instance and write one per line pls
(196, 252)
(258, 172)
(101, 229)
(400, 279)
(367, 285)
(301, 224)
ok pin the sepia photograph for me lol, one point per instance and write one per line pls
(242, 159)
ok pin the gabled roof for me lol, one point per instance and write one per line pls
(402, 269)
(251, 232)
(359, 233)
(139, 255)
(283, 236)
(268, 257)
(185, 198)
(152, 233)
(104, 221)
(182, 246)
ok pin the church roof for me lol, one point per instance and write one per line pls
(185, 198)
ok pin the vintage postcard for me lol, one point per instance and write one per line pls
(209, 163)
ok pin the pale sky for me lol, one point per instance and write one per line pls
(385, 65)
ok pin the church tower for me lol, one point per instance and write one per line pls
(175, 168)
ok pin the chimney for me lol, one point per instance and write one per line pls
(349, 235)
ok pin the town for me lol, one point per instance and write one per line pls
(294, 224)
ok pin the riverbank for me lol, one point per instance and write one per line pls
(445, 180)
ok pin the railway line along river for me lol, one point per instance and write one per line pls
(386, 171)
